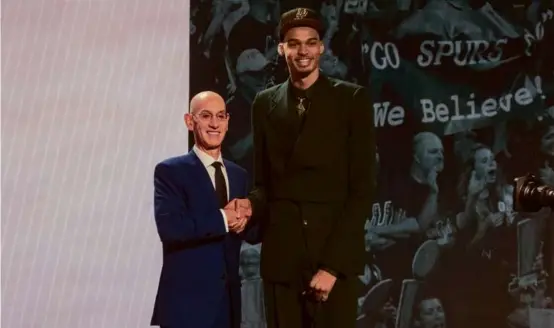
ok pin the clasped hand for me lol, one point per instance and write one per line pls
(238, 212)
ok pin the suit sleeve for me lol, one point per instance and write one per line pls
(361, 160)
(252, 231)
(174, 219)
(258, 196)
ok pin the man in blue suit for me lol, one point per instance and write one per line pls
(199, 285)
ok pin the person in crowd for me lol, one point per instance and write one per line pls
(253, 312)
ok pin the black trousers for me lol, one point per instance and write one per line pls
(287, 308)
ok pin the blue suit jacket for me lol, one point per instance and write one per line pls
(200, 259)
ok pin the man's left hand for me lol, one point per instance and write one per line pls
(322, 283)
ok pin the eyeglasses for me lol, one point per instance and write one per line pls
(206, 116)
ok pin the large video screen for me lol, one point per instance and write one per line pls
(462, 96)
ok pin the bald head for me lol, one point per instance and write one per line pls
(423, 138)
(208, 120)
(428, 151)
(204, 100)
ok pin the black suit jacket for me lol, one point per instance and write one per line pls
(313, 189)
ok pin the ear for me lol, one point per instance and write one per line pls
(281, 49)
(321, 48)
(189, 123)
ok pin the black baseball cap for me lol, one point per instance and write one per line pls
(300, 17)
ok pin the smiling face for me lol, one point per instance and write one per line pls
(208, 120)
(301, 49)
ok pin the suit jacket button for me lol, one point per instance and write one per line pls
(305, 222)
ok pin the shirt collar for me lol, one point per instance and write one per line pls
(206, 159)
(308, 93)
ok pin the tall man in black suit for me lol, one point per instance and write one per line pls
(314, 159)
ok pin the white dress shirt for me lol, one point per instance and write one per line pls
(207, 161)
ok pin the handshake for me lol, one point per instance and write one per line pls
(238, 212)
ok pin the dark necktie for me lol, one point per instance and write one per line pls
(220, 185)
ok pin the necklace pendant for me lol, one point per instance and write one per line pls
(300, 107)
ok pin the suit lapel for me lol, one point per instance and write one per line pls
(234, 183)
(204, 183)
(282, 128)
(283, 119)
(306, 146)
(318, 124)
(278, 106)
